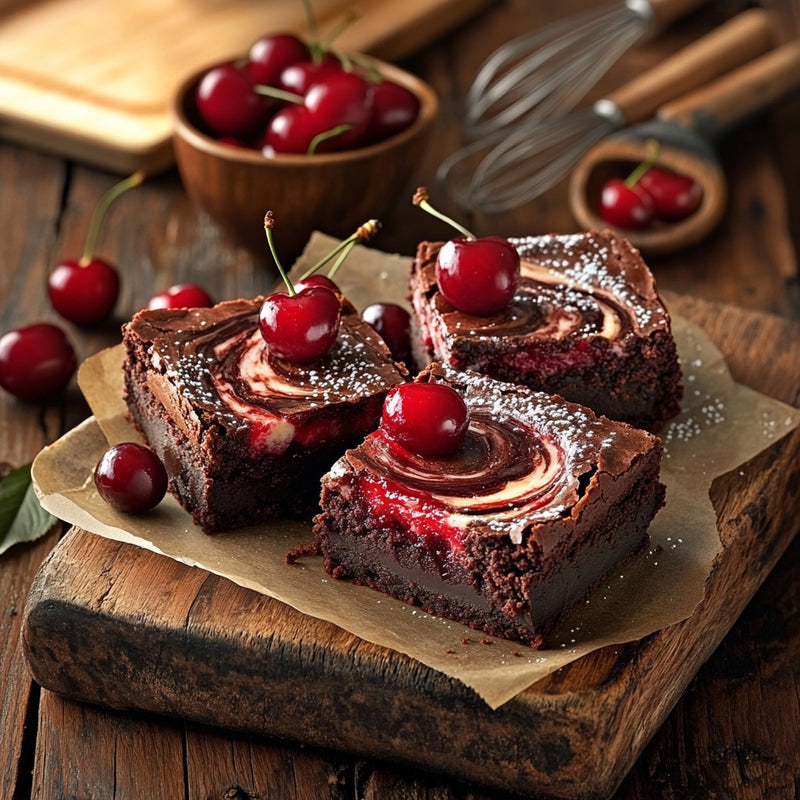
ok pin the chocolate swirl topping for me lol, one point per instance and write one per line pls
(219, 354)
(586, 284)
(499, 466)
(526, 458)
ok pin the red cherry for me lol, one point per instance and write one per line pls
(393, 324)
(430, 419)
(182, 295)
(478, 276)
(228, 103)
(290, 130)
(393, 109)
(318, 280)
(270, 55)
(625, 206)
(300, 328)
(300, 76)
(130, 478)
(84, 292)
(675, 196)
(36, 361)
(334, 105)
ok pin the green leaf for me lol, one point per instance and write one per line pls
(22, 518)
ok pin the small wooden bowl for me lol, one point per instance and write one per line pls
(332, 192)
(616, 158)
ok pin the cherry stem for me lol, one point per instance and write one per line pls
(278, 94)
(651, 160)
(321, 137)
(421, 199)
(340, 260)
(105, 201)
(344, 23)
(360, 60)
(269, 223)
(311, 21)
(364, 233)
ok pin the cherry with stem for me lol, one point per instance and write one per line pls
(85, 291)
(476, 276)
(298, 326)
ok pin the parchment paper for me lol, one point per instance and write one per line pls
(722, 425)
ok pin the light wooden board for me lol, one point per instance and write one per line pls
(115, 625)
(92, 80)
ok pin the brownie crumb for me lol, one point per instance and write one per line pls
(310, 549)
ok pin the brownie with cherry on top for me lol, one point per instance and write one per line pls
(585, 322)
(508, 527)
(244, 434)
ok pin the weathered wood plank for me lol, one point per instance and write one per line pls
(121, 758)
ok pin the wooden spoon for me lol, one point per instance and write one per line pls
(686, 130)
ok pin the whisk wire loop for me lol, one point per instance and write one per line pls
(563, 61)
(529, 162)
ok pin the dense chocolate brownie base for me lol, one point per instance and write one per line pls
(227, 489)
(516, 587)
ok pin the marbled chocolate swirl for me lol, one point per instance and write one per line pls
(526, 455)
(218, 357)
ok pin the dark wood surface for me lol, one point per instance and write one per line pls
(735, 731)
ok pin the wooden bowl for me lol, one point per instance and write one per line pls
(616, 158)
(331, 192)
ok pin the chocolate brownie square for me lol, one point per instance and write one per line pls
(542, 500)
(586, 323)
(245, 436)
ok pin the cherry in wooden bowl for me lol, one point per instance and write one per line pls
(616, 158)
(330, 192)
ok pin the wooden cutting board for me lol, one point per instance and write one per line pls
(119, 626)
(92, 80)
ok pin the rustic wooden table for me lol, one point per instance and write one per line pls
(735, 733)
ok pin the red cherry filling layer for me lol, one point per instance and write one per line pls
(410, 514)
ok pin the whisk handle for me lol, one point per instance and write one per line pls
(746, 36)
(730, 99)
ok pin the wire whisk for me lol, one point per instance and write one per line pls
(548, 71)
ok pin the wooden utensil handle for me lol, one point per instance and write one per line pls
(667, 11)
(729, 99)
(739, 40)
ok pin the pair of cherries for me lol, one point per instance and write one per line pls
(289, 97)
(476, 276)
(651, 192)
(38, 360)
